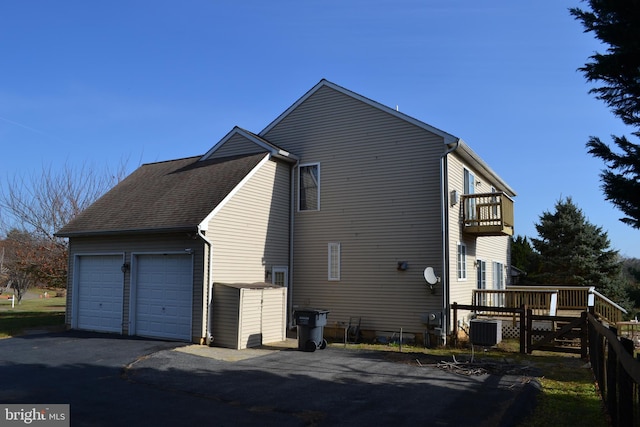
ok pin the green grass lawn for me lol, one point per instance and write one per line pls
(34, 312)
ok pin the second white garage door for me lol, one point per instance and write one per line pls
(163, 295)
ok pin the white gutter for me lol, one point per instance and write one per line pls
(444, 182)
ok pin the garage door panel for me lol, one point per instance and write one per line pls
(164, 289)
(99, 290)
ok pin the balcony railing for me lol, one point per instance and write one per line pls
(488, 214)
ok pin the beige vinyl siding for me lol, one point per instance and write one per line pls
(248, 316)
(138, 243)
(486, 248)
(380, 199)
(236, 145)
(225, 316)
(250, 234)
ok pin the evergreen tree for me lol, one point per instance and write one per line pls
(524, 258)
(575, 252)
(521, 251)
(617, 25)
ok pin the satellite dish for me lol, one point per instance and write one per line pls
(430, 276)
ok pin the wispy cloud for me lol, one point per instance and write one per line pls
(29, 128)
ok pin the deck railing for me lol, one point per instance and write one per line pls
(542, 302)
(548, 300)
(488, 214)
(569, 297)
(606, 309)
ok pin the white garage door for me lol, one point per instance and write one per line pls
(99, 287)
(163, 294)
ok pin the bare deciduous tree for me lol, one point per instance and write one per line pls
(33, 207)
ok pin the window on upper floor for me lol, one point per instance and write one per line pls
(309, 187)
(469, 182)
(469, 188)
(462, 261)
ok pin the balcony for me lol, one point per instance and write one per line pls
(487, 214)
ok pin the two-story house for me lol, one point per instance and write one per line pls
(343, 201)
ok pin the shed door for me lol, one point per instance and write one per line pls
(274, 315)
(99, 293)
(163, 294)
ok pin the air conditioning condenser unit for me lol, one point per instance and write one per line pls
(485, 332)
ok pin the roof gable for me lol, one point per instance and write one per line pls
(167, 196)
(260, 143)
(448, 138)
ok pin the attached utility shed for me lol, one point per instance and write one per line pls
(248, 315)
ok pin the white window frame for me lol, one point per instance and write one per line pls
(498, 281)
(333, 261)
(482, 274)
(469, 182)
(280, 269)
(469, 189)
(481, 281)
(317, 165)
(498, 275)
(461, 261)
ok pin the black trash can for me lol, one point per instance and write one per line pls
(311, 329)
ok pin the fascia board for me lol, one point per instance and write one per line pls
(474, 160)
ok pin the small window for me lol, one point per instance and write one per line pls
(334, 261)
(309, 187)
(462, 261)
(279, 276)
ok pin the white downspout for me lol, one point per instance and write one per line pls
(444, 182)
(208, 338)
(291, 235)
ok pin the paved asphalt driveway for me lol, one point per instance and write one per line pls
(119, 381)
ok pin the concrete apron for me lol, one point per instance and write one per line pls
(232, 355)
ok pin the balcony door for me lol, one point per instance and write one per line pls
(470, 202)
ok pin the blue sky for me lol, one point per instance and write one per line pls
(96, 83)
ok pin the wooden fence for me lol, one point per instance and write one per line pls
(612, 358)
(567, 334)
(617, 373)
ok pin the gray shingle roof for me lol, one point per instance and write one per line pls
(167, 196)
